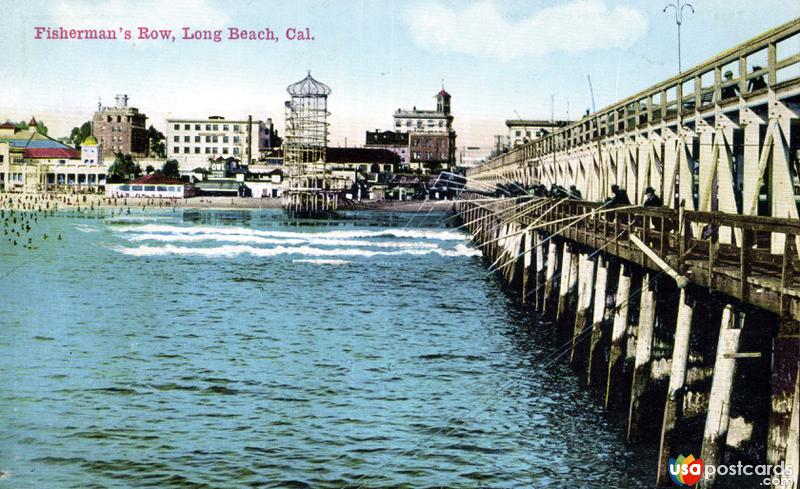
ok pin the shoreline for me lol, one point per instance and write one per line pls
(49, 202)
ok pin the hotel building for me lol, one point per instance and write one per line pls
(194, 142)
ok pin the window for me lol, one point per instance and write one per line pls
(176, 149)
(215, 139)
(177, 139)
(208, 150)
(208, 139)
(186, 139)
(236, 127)
(236, 139)
(186, 149)
(197, 139)
(235, 150)
(197, 127)
(136, 188)
(518, 133)
(208, 127)
(197, 150)
(149, 188)
(119, 118)
(109, 119)
(224, 127)
(1, 158)
(224, 150)
(125, 188)
(177, 127)
(186, 127)
(224, 139)
(216, 127)
(161, 188)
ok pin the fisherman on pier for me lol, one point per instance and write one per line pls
(619, 197)
(651, 199)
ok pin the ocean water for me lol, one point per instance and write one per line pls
(239, 349)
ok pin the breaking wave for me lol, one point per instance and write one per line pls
(322, 261)
(442, 235)
(237, 250)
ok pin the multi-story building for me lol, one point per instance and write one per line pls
(521, 131)
(121, 129)
(32, 162)
(394, 141)
(424, 139)
(195, 142)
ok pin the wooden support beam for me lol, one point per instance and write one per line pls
(552, 261)
(642, 361)
(677, 380)
(598, 314)
(719, 402)
(618, 338)
(585, 285)
(569, 276)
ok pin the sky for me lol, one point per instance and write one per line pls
(498, 59)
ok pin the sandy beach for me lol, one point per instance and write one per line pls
(20, 201)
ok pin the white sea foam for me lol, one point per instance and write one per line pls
(247, 239)
(433, 234)
(86, 228)
(322, 261)
(237, 250)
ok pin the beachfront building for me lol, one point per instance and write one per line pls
(121, 129)
(154, 185)
(33, 162)
(394, 141)
(424, 139)
(192, 142)
(521, 131)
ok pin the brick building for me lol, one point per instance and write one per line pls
(121, 129)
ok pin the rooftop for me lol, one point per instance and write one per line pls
(308, 87)
(535, 122)
(157, 179)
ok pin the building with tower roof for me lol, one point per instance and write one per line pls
(431, 137)
(121, 129)
(33, 162)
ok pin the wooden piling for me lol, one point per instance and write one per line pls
(527, 245)
(641, 368)
(598, 316)
(618, 336)
(552, 262)
(585, 286)
(569, 276)
(540, 271)
(719, 402)
(677, 380)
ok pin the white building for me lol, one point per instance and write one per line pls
(192, 142)
(430, 121)
(521, 131)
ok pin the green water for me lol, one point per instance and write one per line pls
(235, 349)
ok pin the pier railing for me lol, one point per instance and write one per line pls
(689, 241)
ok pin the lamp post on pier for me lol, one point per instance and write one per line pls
(678, 6)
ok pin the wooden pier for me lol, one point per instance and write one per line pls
(683, 318)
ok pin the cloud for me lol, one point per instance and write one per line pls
(481, 30)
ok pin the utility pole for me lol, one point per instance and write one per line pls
(678, 6)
